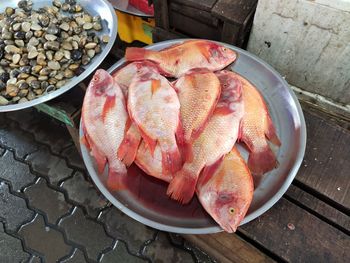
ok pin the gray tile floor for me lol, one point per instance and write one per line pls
(51, 212)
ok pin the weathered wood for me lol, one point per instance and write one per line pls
(326, 165)
(320, 208)
(192, 27)
(159, 34)
(226, 248)
(235, 11)
(205, 5)
(307, 239)
(161, 13)
(200, 15)
(230, 33)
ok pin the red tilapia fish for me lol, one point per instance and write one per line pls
(198, 93)
(256, 129)
(104, 117)
(151, 165)
(226, 189)
(216, 140)
(154, 106)
(125, 75)
(128, 148)
(178, 59)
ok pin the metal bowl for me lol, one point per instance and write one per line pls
(149, 203)
(109, 22)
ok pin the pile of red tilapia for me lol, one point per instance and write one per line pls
(177, 114)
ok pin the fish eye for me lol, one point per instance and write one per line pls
(224, 49)
(231, 210)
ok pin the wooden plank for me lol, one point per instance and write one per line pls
(234, 11)
(326, 165)
(197, 14)
(228, 248)
(193, 28)
(205, 5)
(230, 33)
(159, 34)
(319, 208)
(161, 13)
(308, 239)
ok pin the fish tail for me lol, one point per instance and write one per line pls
(270, 132)
(116, 180)
(135, 53)
(182, 187)
(262, 161)
(188, 152)
(128, 148)
(171, 161)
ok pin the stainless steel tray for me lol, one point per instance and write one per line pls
(109, 22)
(149, 204)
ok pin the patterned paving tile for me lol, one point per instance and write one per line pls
(13, 137)
(121, 226)
(45, 240)
(11, 248)
(86, 233)
(120, 254)
(47, 200)
(161, 251)
(15, 172)
(73, 157)
(84, 193)
(13, 209)
(77, 257)
(51, 166)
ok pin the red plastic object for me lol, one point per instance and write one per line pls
(143, 6)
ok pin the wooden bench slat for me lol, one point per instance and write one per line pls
(321, 208)
(326, 165)
(312, 240)
(227, 248)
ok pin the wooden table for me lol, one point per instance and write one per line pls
(311, 222)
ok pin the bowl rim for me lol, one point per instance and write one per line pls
(214, 229)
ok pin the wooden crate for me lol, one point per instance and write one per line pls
(228, 21)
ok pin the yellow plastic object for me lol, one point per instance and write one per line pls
(132, 28)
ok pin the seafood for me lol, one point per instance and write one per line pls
(225, 190)
(154, 106)
(198, 93)
(256, 129)
(151, 165)
(216, 140)
(125, 75)
(179, 59)
(104, 117)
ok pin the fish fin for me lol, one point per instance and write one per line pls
(128, 148)
(85, 141)
(188, 152)
(109, 104)
(209, 171)
(100, 160)
(262, 161)
(155, 85)
(116, 180)
(180, 133)
(182, 187)
(150, 143)
(136, 53)
(171, 161)
(270, 132)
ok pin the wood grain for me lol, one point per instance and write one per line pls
(326, 165)
(206, 5)
(235, 11)
(227, 248)
(312, 240)
(320, 208)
